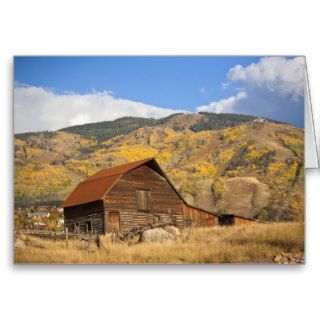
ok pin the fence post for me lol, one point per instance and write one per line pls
(67, 244)
(27, 238)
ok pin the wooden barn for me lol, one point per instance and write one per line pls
(131, 195)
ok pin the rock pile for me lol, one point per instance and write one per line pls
(289, 258)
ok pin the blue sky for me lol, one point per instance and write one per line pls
(89, 89)
(173, 82)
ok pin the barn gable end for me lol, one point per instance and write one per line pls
(166, 204)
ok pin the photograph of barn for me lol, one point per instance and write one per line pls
(132, 195)
(197, 172)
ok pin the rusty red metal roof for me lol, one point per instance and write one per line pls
(98, 185)
(90, 190)
(119, 169)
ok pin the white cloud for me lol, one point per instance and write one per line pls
(37, 108)
(224, 105)
(276, 74)
(80, 118)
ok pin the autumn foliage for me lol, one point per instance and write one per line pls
(52, 164)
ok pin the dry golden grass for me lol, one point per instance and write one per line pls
(236, 244)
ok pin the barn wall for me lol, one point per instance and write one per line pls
(199, 218)
(239, 221)
(92, 211)
(166, 204)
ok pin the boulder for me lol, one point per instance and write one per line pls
(156, 235)
(174, 231)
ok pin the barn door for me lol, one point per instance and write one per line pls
(114, 221)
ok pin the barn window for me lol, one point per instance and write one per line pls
(77, 227)
(144, 200)
(88, 226)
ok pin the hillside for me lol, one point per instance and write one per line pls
(220, 162)
(108, 129)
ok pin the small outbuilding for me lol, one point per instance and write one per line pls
(234, 219)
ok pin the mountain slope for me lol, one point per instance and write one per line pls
(108, 129)
(245, 167)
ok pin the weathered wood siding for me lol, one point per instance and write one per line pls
(240, 220)
(166, 205)
(198, 218)
(92, 211)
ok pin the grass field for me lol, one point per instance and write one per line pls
(236, 244)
